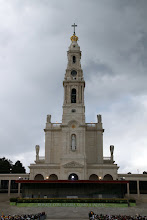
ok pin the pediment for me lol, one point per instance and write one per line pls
(73, 164)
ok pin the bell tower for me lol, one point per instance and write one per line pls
(74, 84)
(73, 148)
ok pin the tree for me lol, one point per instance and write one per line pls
(5, 165)
(18, 167)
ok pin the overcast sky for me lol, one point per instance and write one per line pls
(34, 39)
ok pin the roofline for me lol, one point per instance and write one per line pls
(73, 181)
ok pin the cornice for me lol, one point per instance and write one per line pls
(44, 166)
(102, 166)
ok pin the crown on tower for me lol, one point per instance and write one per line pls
(74, 38)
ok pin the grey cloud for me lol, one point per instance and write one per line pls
(33, 43)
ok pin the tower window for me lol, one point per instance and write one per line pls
(74, 59)
(73, 96)
(73, 110)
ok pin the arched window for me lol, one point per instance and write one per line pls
(74, 59)
(73, 176)
(73, 142)
(39, 177)
(73, 96)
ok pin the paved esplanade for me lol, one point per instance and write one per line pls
(70, 212)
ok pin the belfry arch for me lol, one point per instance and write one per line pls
(73, 95)
(74, 59)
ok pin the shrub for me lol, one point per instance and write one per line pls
(13, 199)
(71, 200)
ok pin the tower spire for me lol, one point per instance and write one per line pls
(74, 37)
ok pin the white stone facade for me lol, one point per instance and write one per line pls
(73, 148)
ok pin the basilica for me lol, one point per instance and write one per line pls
(73, 148)
(73, 164)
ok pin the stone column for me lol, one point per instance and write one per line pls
(19, 184)
(69, 94)
(138, 190)
(128, 190)
(77, 89)
(82, 94)
(9, 188)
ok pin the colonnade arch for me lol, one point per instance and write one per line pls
(53, 177)
(39, 177)
(93, 177)
(108, 177)
(73, 176)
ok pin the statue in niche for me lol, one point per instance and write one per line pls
(48, 118)
(99, 118)
(73, 142)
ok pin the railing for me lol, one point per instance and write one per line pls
(41, 158)
(91, 124)
(106, 158)
(56, 125)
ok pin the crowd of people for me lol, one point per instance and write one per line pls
(93, 216)
(39, 216)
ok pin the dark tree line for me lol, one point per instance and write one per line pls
(7, 166)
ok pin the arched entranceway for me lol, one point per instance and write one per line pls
(53, 177)
(93, 177)
(108, 177)
(39, 177)
(73, 176)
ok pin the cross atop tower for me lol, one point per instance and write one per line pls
(74, 25)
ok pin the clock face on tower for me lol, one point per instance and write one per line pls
(73, 73)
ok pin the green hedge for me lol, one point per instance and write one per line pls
(65, 200)
(13, 199)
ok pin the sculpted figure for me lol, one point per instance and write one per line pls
(37, 150)
(111, 151)
(99, 118)
(49, 118)
(73, 142)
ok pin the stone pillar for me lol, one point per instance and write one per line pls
(69, 94)
(64, 94)
(77, 89)
(99, 140)
(138, 190)
(9, 188)
(19, 184)
(128, 190)
(82, 94)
